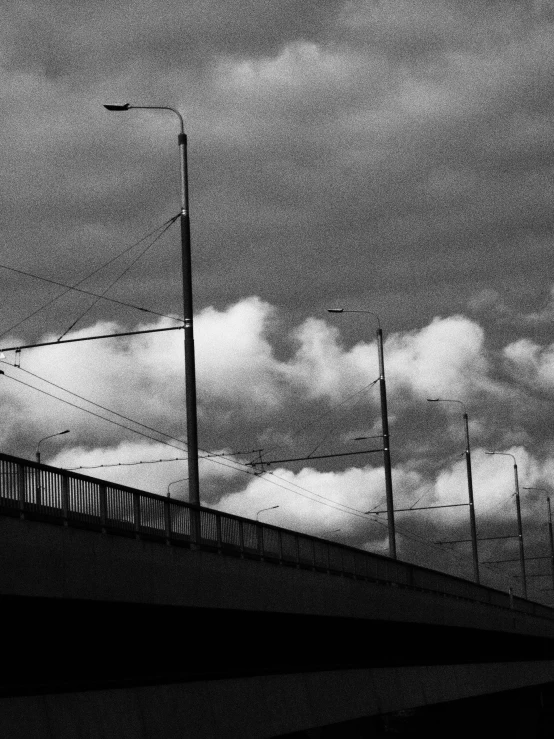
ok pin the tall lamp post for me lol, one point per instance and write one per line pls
(550, 535)
(190, 371)
(384, 427)
(519, 527)
(472, 523)
(551, 538)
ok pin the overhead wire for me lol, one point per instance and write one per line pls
(239, 467)
(97, 405)
(76, 288)
(92, 413)
(126, 464)
(209, 457)
(149, 461)
(287, 485)
(332, 408)
(310, 494)
(121, 275)
(326, 436)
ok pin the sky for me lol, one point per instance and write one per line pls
(388, 156)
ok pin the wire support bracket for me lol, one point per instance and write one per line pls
(89, 338)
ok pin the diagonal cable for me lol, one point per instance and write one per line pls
(75, 287)
(326, 436)
(124, 272)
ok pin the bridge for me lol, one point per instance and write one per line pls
(144, 616)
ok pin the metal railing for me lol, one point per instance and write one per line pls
(31, 490)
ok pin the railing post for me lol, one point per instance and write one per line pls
(218, 529)
(38, 499)
(21, 489)
(103, 507)
(167, 520)
(195, 530)
(65, 497)
(241, 539)
(136, 506)
(260, 534)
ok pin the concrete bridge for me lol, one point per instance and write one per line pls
(135, 615)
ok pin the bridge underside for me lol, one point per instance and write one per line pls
(260, 706)
(83, 644)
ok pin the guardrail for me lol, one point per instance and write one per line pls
(28, 489)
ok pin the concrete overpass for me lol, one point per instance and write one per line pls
(141, 617)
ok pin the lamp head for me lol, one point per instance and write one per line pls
(64, 432)
(335, 310)
(433, 400)
(118, 108)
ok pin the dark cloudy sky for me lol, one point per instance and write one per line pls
(394, 156)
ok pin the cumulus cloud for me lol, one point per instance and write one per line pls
(531, 363)
(239, 369)
(446, 358)
(316, 502)
(253, 378)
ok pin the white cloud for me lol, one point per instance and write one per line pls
(234, 357)
(237, 369)
(447, 358)
(314, 502)
(531, 363)
(299, 67)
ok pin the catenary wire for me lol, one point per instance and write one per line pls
(75, 288)
(279, 482)
(241, 468)
(126, 464)
(122, 274)
(152, 461)
(326, 436)
(322, 415)
(84, 292)
(97, 405)
(92, 413)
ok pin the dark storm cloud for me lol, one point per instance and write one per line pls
(382, 131)
(81, 40)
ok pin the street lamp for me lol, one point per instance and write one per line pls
(550, 536)
(174, 483)
(265, 509)
(472, 523)
(60, 433)
(384, 427)
(519, 527)
(190, 371)
(38, 472)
